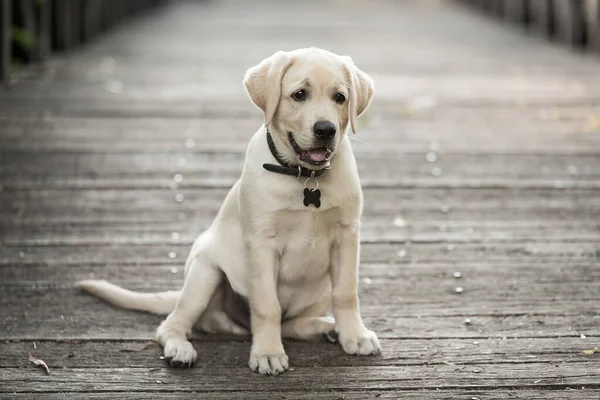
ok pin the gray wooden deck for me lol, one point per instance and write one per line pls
(91, 142)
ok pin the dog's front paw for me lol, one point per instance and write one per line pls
(359, 341)
(268, 363)
(180, 353)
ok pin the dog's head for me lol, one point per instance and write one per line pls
(309, 98)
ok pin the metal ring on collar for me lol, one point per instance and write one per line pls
(306, 184)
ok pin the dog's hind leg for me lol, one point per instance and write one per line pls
(201, 281)
(308, 328)
(312, 323)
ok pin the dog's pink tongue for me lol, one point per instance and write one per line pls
(317, 155)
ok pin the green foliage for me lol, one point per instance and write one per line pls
(23, 38)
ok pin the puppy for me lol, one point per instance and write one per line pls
(284, 247)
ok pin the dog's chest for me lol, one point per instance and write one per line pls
(304, 240)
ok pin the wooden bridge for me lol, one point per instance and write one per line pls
(480, 163)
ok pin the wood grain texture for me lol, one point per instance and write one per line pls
(202, 380)
(218, 352)
(460, 394)
(90, 144)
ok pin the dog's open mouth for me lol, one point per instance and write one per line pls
(314, 156)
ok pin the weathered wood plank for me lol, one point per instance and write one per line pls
(569, 23)
(574, 393)
(341, 378)
(574, 277)
(517, 289)
(215, 351)
(592, 16)
(530, 252)
(76, 315)
(445, 89)
(5, 39)
(517, 12)
(63, 21)
(222, 169)
(542, 19)
(45, 26)
(513, 131)
(426, 215)
(92, 11)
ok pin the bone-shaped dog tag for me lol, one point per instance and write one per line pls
(312, 197)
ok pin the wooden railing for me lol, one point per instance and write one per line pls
(30, 30)
(575, 23)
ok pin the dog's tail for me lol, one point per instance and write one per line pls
(156, 303)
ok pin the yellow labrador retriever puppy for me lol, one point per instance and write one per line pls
(284, 248)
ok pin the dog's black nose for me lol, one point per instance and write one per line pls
(324, 130)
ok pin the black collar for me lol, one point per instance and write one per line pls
(285, 168)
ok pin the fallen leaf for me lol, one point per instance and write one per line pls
(590, 352)
(39, 363)
(592, 124)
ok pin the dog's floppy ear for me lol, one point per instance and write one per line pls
(263, 83)
(361, 91)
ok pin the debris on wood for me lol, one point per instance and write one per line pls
(39, 363)
(459, 290)
(591, 351)
(592, 123)
(400, 222)
(34, 346)
(582, 336)
(467, 321)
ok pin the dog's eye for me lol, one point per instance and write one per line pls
(299, 95)
(339, 98)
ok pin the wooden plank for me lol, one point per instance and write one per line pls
(218, 351)
(542, 18)
(63, 25)
(592, 17)
(76, 10)
(44, 15)
(47, 171)
(517, 11)
(518, 290)
(519, 301)
(416, 205)
(81, 317)
(5, 39)
(531, 252)
(342, 378)
(101, 217)
(569, 22)
(574, 393)
(513, 131)
(91, 18)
